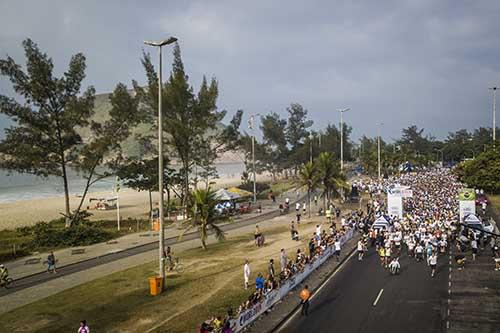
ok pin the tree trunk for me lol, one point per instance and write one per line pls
(66, 194)
(150, 204)
(87, 186)
(309, 198)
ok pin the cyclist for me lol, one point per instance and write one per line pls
(169, 259)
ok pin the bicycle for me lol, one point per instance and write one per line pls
(174, 265)
(6, 283)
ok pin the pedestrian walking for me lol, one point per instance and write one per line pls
(305, 295)
(246, 273)
(304, 207)
(283, 260)
(51, 263)
(84, 328)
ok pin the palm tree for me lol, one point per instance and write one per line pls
(330, 177)
(204, 215)
(308, 178)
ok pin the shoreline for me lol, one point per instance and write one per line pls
(133, 204)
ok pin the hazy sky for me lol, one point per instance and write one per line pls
(421, 62)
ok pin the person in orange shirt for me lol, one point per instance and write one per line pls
(304, 300)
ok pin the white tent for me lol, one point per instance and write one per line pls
(225, 195)
(472, 219)
(381, 223)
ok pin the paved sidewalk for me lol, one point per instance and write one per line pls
(19, 269)
(474, 300)
(28, 295)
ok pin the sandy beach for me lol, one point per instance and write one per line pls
(133, 204)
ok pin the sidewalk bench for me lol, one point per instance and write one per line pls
(32, 261)
(112, 242)
(77, 251)
(145, 235)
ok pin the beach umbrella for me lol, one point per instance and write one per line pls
(225, 195)
(240, 192)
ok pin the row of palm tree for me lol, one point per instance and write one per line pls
(324, 174)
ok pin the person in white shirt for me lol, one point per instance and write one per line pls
(473, 245)
(246, 273)
(419, 251)
(337, 249)
(297, 207)
(318, 229)
(361, 250)
(433, 263)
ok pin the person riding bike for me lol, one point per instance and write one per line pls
(4, 273)
(394, 266)
(169, 259)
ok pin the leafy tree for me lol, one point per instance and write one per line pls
(329, 176)
(104, 145)
(204, 215)
(44, 138)
(482, 172)
(296, 133)
(190, 120)
(308, 178)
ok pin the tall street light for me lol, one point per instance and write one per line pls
(250, 126)
(159, 45)
(378, 147)
(494, 129)
(342, 138)
(311, 138)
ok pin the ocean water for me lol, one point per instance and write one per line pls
(18, 186)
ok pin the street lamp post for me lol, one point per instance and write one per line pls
(250, 125)
(494, 129)
(342, 138)
(378, 147)
(161, 248)
(311, 138)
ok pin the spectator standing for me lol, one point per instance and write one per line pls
(84, 328)
(270, 268)
(304, 207)
(246, 273)
(51, 263)
(259, 282)
(283, 260)
(305, 295)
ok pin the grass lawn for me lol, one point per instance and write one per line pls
(120, 302)
(495, 201)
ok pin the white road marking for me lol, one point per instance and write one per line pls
(379, 294)
(317, 291)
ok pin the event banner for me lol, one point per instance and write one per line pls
(467, 202)
(395, 195)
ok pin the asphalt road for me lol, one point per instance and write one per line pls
(409, 302)
(35, 279)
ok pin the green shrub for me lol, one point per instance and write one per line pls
(260, 187)
(82, 233)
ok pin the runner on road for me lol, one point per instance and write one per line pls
(304, 300)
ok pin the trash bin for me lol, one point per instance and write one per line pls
(156, 225)
(155, 285)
